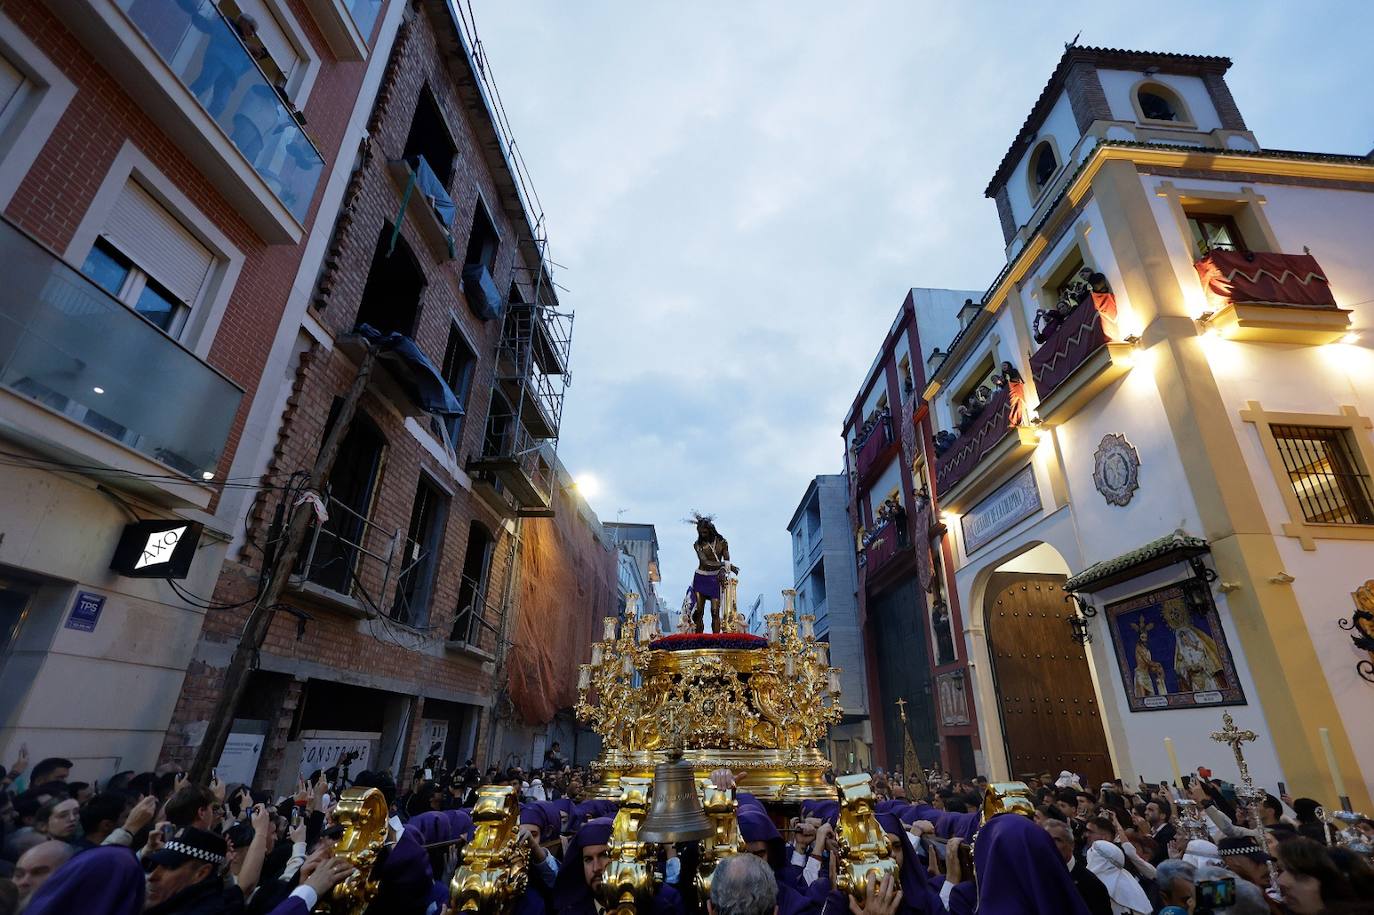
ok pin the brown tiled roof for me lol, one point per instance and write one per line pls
(1114, 58)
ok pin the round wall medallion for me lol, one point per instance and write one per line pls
(1116, 469)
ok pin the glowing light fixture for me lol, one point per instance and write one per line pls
(208, 475)
(587, 485)
(98, 389)
(1352, 337)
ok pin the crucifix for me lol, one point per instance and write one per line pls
(901, 709)
(1234, 737)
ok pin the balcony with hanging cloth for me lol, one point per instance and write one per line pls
(408, 380)
(1079, 357)
(995, 441)
(1264, 296)
(425, 199)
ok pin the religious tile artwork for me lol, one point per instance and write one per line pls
(1171, 657)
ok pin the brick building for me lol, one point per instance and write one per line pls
(397, 636)
(162, 179)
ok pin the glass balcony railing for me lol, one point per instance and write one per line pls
(69, 345)
(207, 55)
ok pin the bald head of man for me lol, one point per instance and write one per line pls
(37, 864)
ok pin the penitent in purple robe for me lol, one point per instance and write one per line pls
(1019, 870)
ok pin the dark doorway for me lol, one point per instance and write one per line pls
(395, 282)
(1049, 713)
(897, 621)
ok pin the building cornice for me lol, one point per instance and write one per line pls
(1271, 162)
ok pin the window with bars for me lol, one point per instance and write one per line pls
(1324, 469)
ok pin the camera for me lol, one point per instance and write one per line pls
(1209, 895)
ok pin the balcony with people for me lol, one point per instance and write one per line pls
(990, 433)
(91, 380)
(1263, 296)
(1081, 346)
(889, 538)
(226, 91)
(874, 442)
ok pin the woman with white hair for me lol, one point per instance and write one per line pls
(1108, 864)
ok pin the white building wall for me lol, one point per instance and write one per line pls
(1060, 125)
(1309, 379)
(137, 653)
(1118, 86)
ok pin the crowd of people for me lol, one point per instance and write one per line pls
(156, 842)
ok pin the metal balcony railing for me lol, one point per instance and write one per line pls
(206, 53)
(475, 625)
(352, 556)
(76, 349)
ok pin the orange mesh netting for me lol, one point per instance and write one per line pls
(567, 583)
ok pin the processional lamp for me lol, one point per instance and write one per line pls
(676, 814)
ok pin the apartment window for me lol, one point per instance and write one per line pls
(904, 369)
(459, 364)
(266, 39)
(1214, 232)
(11, 86)
(365, 14)
(1325, 473)
(419, 555)
(429, 137)
(148, 260)
(395, 283)
(351, 486)
(483, 241)
(472, 589)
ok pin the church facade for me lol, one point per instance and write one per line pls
(1152, 440)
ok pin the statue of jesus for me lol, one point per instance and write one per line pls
(713, 565)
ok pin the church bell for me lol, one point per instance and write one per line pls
(676, 814)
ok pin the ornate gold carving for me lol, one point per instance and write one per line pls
(495, 865)
(863, 844)
(627, 886)
(1008, 797)
(721, 807)
(757, 711)
(362, 813)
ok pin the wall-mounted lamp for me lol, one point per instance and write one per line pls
(1080, 630)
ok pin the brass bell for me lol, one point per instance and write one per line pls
(676, 814)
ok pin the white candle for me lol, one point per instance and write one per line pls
(608, 628)
(789, 667)
(596, 655)
(627, 665)
(1173, 760)
(584, 677)
(1331, 764)
(822, 655)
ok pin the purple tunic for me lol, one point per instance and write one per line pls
(103, 881)
(1019, 870)
(706, 585)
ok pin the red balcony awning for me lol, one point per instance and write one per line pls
(1238, 278)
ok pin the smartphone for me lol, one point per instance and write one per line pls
(168, 830)
(429, 775)
(1186, 780)
(1215, 894)
(296, 816)
(1283, 789)
(214, 775)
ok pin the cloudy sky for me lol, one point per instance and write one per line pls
(741, 194)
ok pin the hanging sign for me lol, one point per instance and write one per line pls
(157, 549)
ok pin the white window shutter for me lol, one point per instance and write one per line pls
(159, 244)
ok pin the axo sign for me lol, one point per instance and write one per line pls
(157, 549)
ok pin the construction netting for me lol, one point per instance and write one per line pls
(566, 585)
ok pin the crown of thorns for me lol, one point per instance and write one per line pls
(698, 517)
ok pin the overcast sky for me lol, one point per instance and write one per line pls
(742, 193)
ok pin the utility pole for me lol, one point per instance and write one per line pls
(259, 620)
